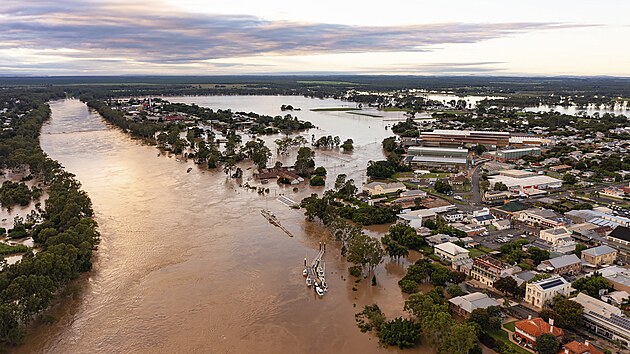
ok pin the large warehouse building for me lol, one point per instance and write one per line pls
(465, 138)
(449, 159)
(524, 181)
(512, 154)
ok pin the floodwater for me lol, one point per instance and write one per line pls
(619, 108)
(188, 265)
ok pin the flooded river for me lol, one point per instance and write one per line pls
(188, 265)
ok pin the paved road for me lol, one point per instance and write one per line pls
(474, 185)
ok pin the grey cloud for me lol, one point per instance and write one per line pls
(103, 30)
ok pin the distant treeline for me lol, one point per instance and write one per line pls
(67, 234)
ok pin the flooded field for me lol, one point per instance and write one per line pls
(187, 264)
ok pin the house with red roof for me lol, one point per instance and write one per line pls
(576, 347)
(526, 331)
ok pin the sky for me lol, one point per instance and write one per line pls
(227, 37)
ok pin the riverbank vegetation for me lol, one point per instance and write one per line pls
(17, 193)
(67, 233)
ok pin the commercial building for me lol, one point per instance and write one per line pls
(465, 138)
(600, 255)
(559, 239)
(488, 270)
(449, 159)
(541, 217)
(597, 218)
(450, 252)
(526, 331)
(605, 320)
(567, 264)
(524, 182)
(618, 277)
(465, 305)
(417, 218)
(619, 238)
(542, 291)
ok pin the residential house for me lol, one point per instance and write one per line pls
(576, 347)
(465, 305)
(600, 255)
(502, 224)
(542, 291)
(604, 319)
(567, 264)
(450, 252)
(559, 238)
(526, 331)
(613, 192)
(378, 188)
(439, 238)
(524, 276)
(487, 270)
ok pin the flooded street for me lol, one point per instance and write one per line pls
(188, 265)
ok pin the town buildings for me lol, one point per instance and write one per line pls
(620, 239)
(450, 252)
(605, 320)
(448, 159)
(526, 331)
(599, 256)
(540, 217)
(487, 270)
(542, 291)
(524, 182)
(576, 347)
(567, 264)
(559, 239)
(378, 188)
(465, 138)
(465, 305)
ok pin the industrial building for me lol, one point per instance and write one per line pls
(524, 181)
(605, 320)
(450, 159)
(513, 154)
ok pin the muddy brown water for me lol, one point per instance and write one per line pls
(187, 264)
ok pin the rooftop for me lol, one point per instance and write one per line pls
(537, 327)
(474, 301)
(550, 283)
(599, 250)
(451, 248)
(563, 261)
(621, 232)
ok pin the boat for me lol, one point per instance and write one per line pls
(305, 272)
(319, 291)
(309, 282)
(189, 169)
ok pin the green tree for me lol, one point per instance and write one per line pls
(400, 332)
(569, 313)
(320, 171)
(547, 344)
(442, 186)
(507, 285)
(365, 251)
(569, 178)
(317, 181)
(348, 145)
(480, 149)
(500, 186)
(591, 285)
(305, 162)
(461, 339)
(579, 248)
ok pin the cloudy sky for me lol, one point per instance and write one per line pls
(210, 37)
